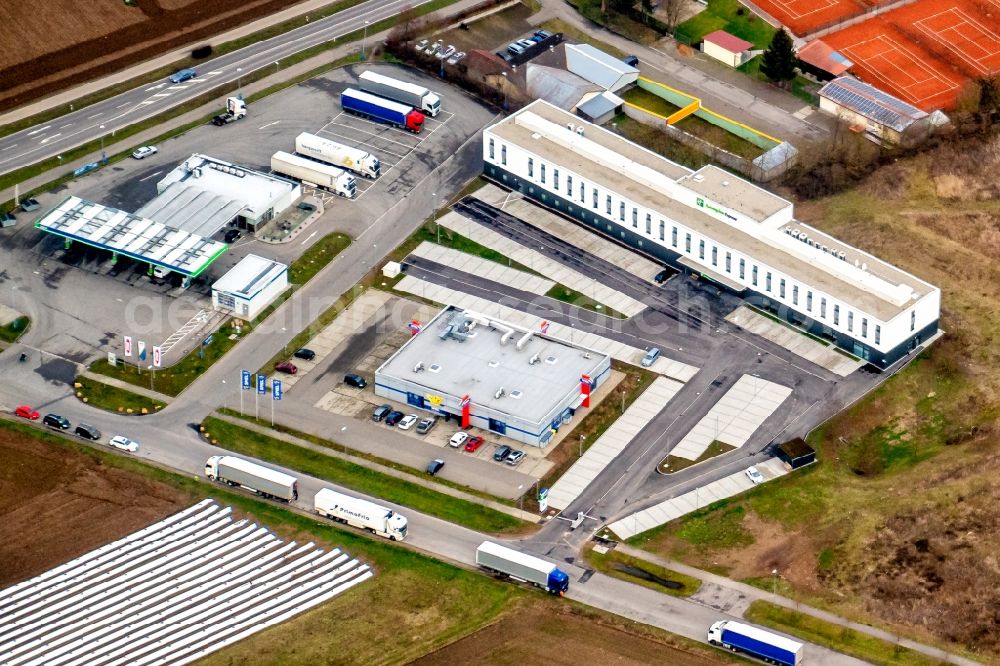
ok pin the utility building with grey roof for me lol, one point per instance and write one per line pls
(521, 384)
(715, 225)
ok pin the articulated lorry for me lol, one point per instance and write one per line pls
(360, 513)
(236, 109)
(521, 566)
(337, 154)
(407, 93)
(315, 173)
(264, 481)
(770, 647)
(382, 110)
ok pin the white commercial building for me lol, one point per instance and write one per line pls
(715, 225)
(250, 286)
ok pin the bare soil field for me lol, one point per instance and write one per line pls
(899, 523)
(61, 43)
(56, 504)
(560, 637)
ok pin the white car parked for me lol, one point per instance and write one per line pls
(124, 443)
(407, 422)
(754, 475)
(144, 151)
(458, 439)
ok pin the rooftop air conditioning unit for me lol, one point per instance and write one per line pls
(697, 178)
(418, 367)
(843, 256)
(500, 393)
(579, 130)
(570, 126)
(534, 359)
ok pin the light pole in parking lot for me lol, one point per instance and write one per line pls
(239, 79)
(582, 437)
(364, 39)
(103, 159)
(434, 212)
(520, 497)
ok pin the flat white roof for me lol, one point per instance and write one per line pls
(256, 191)
(859, 279)
(251, 275)
(131, 235)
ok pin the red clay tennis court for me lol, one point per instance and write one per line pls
(805, 16)
(924, 53)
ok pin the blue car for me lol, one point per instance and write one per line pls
(183, 75)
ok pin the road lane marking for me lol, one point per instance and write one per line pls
(95, 115)
(40, 129)
(9, 147)
(156, 87)
(152, 175)
(306, 239)
(47, 139)
(123, 105)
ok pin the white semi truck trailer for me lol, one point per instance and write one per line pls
(339, 155)
(415, 95)
(360, 513)
(264, 481)
(315, 173)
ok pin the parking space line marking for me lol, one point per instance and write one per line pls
(152, 175)
(380, 135)
(269, 124)
(374, 148)
(306, 239)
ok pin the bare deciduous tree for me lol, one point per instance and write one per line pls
(672, 10)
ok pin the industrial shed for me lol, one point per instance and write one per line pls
(796, 453)
(250, 286)
(598, 67)
(599, 109)
(870, 110)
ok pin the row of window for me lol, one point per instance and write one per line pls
(714, 250)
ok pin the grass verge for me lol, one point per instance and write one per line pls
(561, 292)
(835, 637)
(634, 570)
(728, 15)
(674, 464)
(114, 399)
(315, 259)
(12, 331)
(363, 479)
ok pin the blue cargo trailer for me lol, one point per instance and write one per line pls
(383, 110)
(772, 648)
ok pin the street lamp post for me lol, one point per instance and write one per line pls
(239, 79)
(225, 395)
(582, 437)
(102, 143)
(434, 212)
(504, 90)
(774, 585)
(364, 39)
(520, 499)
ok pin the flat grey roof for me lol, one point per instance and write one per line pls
(131, 236)
(249, 276)
(192, 209)
(804, 263)
(740, 195)
(480, 366)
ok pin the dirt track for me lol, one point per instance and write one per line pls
(60, 47)
(56, 504)
(539, 636)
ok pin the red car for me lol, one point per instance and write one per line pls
(473, 444)
(26, 412)
(287, 367)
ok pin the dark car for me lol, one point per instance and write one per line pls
(394, 417)
(501, 453)
(631, 60)
(426, 424)
(56, 421)
(357, 381)
(287, 367)
(662, 276)
(88, 431)
(232, 236)
(305, 354)
(434, 466)
(381, 412)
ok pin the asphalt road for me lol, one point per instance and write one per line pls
(104, 118)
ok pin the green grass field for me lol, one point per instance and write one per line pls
(113, 399)
(610, 562)
(11, 331)
(728, 15)
(316, 258)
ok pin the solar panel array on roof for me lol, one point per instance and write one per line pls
(130, 235)
(872, 103)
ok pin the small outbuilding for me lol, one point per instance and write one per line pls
(796, 453)
(819, 59)
(250, 286)
(868, 109)
(726, 48)
(599, 68)
(599, 109)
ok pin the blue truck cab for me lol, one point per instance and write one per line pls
(772, 648)
(558, 582)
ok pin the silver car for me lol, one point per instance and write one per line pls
(455, 58)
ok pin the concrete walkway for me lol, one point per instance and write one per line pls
(541, 263)
(740, 596)
(483, 268)
(378, 467)
(794, 341)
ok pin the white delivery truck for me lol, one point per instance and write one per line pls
(415, 95)
(360, 513)
(262, 480)
(337, 154)
(521, 566)
(315, 173)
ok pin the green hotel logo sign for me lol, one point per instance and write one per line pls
(715, 209)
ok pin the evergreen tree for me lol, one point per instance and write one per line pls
(779, 59)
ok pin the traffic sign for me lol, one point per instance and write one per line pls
(128, 345)
(112, 359)
(276, 389)
(261, 384)
(157, 357)
(245, 382)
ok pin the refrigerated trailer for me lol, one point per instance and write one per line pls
(315, 173)
(521, 566)
(415, 95)
(360, 513)
(262, 480)
(772, 648)
(383, 110)
(337, 154)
